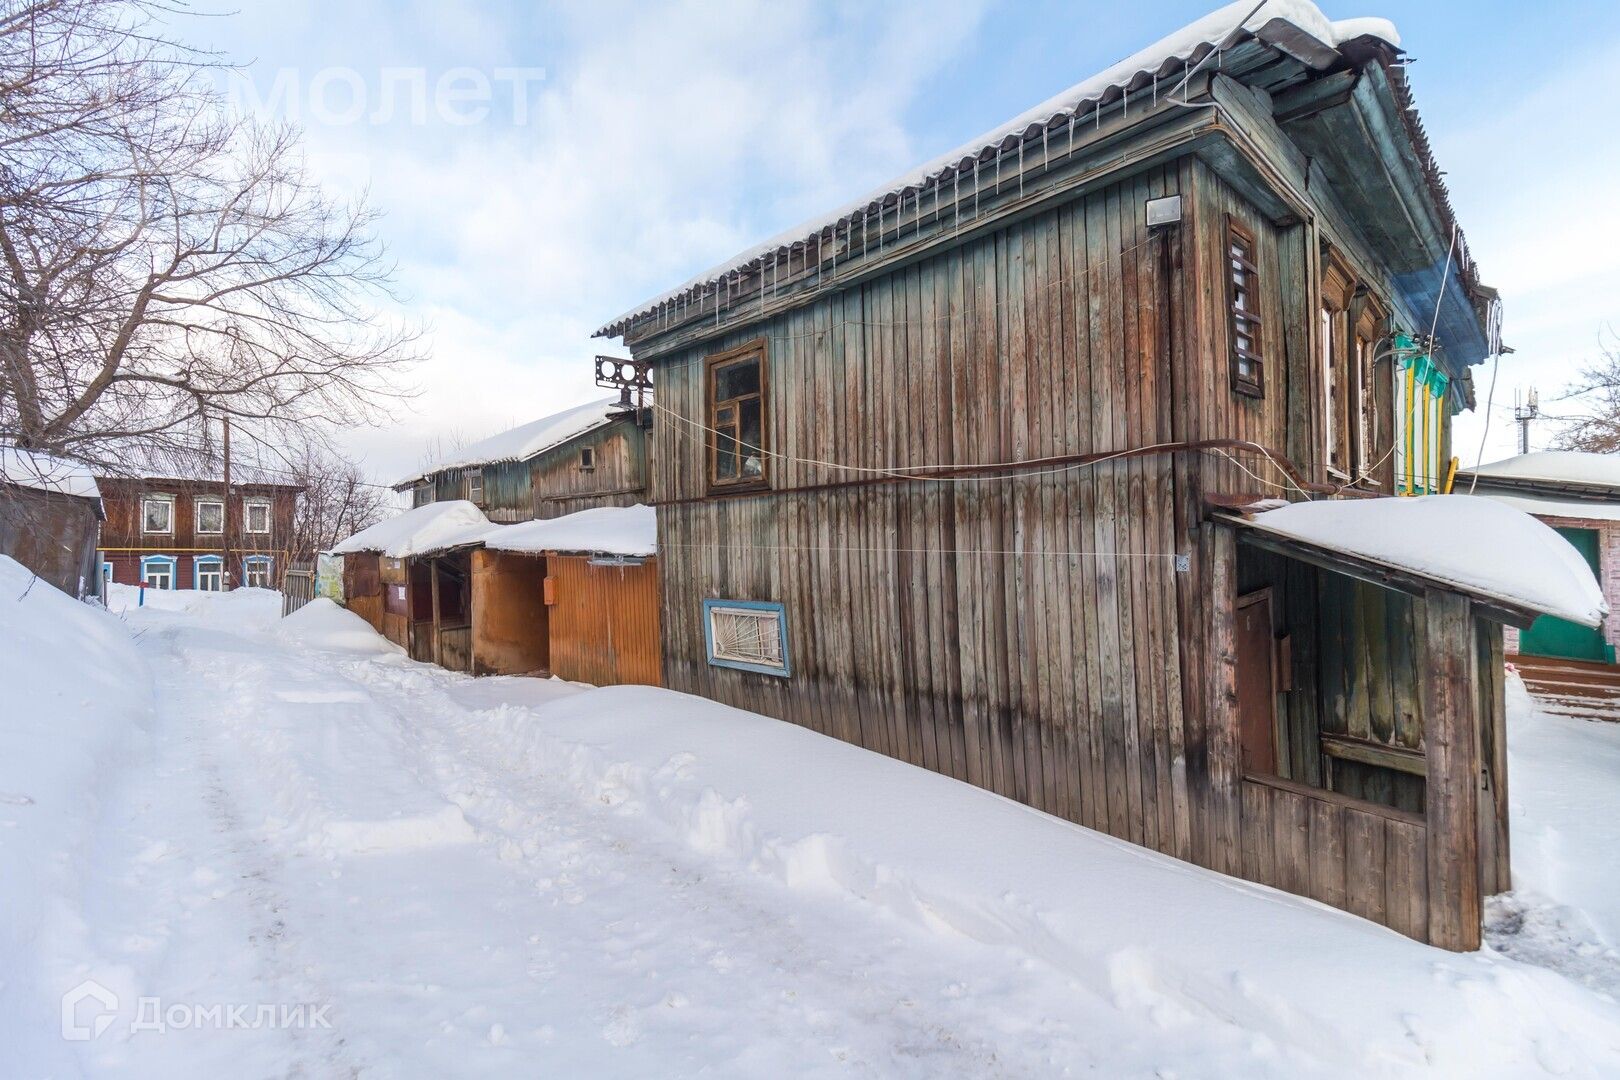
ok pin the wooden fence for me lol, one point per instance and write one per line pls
(298, 588)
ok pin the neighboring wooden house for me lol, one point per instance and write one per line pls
(176, 533)
(1579, 495)
(50, 516)
(591, 455)
(960, 472)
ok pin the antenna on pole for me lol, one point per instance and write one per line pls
(1524, 412)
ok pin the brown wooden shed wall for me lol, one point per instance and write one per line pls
(511, 630)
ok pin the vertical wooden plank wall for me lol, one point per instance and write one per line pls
(1026, 633)
(604, 621)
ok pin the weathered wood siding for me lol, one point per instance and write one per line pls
(510, 629)
(1026, 634)
(53, 535)
(619, 478)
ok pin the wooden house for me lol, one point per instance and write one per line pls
(966, 470)
(1578, 494)
(50, 517)
(180, 533)
(590, 455)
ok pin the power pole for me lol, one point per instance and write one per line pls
(1523, 413)
(225, 524)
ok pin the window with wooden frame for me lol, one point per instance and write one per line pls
(748, 635)
(475, 487)
(157, 514)
(1338, 287)
(735, 389)
(587, 458)
(1371, 413)
(1243, 298)
(210, 517)
(256, 514)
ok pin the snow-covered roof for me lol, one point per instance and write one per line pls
(1468, 542)
(1591, 509)
(526, 440)
(42, 472)
(421, 531)
(1170, 54)
(605, 530)
(1555, 467)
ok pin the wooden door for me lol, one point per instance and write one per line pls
(1256, 683)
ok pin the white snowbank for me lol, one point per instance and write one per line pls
(321, 624)
(527, 440)
(1464, 540)
(42, 472)
(607, 530)
(1211, 30)
(1145, 931)
(1556, 466)
(435, 527)
(76, 696)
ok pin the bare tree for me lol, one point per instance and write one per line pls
(162, 260)
(337, 500)
(1596, 393)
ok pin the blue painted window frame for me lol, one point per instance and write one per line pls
(170, 560)
(196, 570)
(779, 610)
(253, 560)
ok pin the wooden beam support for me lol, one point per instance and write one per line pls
(433, 589)
(1448, 688)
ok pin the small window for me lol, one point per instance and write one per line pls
(423, 495)
(737, 436)
(158, 573)
(210, 575)
(210, 516)
(257, 516)
(747, 635)
(1243, 297)
(256, 572)
(587, 458)
(475, 487)
(157, 515)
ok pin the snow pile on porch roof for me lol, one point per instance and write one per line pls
(526, 440)
(1473, 544)
(426, 529)
(602, 530)
(1219, 29)
(1556, 467)
(42, 472)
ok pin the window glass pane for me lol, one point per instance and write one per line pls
(210, 517)
(157, 515)
(750, 434)
(736, 380)
(258, 518)
(725, 455)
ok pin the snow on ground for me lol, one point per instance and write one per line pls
(433, 875)
(1564, 798)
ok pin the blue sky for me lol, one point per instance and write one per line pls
(665, 137)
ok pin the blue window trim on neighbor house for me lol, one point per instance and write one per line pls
(197, 568)
(170, 560)
(250, 561)
(748, 605)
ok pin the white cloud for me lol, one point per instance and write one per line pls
(663, 139)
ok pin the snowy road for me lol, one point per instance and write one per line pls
(347, 835)
(287, 851)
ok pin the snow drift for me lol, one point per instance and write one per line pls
(77, 695)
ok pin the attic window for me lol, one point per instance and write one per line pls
(1243, 297)
(587, 458)
(475, 487)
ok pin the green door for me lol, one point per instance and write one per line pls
(1548, 636)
